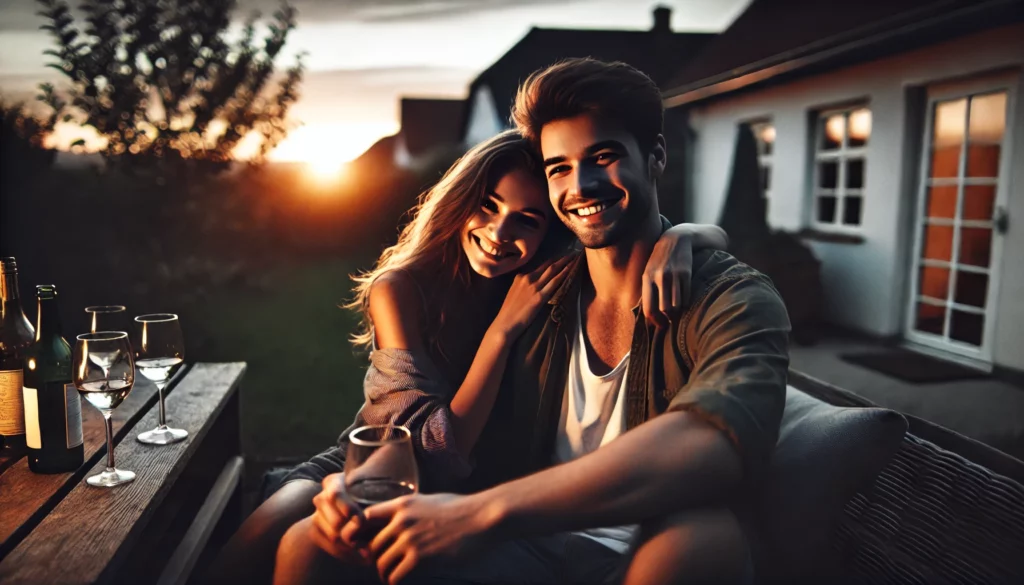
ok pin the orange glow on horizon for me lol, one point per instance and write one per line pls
(331, 144)
(325, 148)
(326, 171)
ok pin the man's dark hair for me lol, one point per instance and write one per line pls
(572, 87)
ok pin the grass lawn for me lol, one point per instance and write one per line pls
(304, 381)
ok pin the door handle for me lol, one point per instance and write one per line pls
(1001, 220)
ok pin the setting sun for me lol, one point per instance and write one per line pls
(325, 148)
(326, 170)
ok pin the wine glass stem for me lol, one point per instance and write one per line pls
(110, 440)
(163, 413)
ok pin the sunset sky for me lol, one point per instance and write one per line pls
(365, 54)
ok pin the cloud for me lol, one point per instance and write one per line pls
(392, 10)
(21, 14)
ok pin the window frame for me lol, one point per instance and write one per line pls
(840, 156)
(764, 160)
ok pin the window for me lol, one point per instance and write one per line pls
(764, 134)
(840, 152)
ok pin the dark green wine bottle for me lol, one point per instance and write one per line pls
(53, 409)
(16, 334)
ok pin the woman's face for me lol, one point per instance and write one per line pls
(509, 226)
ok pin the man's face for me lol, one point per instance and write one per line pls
(600, 184)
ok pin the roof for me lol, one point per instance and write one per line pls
(428, 122)
(656, 52)
(774, 37)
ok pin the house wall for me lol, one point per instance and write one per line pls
(484, 121)
(865, 283)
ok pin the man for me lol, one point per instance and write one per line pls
(701, 394)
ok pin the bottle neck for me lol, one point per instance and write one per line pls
(48, 319)
(9, 291)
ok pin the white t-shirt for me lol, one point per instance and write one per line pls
(593, 413)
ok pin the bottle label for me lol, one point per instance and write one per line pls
(12, 409)
(73, 414)
(33, 436)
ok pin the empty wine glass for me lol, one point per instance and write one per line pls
(106, 318)
(104, 373)
(159, 351)
(379, 465)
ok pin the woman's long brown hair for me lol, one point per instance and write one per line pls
(429, 244)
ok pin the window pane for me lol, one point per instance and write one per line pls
(934, 282)
(979, 201)
(764, 133)
(855, 173)
(947, 137)
(766, 177)
(966, 327)
(826, 209)
(942, 201)
(938, 242)
(851, 210)
(828, 175)
(930, 318)
(971, 288)
(975, 246)
(833, 129)
(988, 123)
(860, 127)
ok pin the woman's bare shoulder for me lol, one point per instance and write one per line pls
(396, 310)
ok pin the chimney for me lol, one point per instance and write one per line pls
(662, 20)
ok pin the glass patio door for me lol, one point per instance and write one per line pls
(959, 222)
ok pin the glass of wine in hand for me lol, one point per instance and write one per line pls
(106, 318)
(104, 373)
(159, 352)
(379, 465)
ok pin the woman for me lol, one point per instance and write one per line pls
(441, 308)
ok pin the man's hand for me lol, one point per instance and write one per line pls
(421, 527)
(337, 524)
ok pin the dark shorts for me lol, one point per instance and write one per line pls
(560, 559)
(318, 467)
(569, 559)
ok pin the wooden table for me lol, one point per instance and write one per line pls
(56, 529)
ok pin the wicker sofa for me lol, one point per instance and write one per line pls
(863, 494)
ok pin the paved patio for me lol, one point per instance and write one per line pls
(988, 410)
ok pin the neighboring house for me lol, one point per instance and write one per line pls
(429, 127)
(891, 136)
(657, 52)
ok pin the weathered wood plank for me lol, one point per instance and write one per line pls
(181, 563)
(26, 497)
(92, 529)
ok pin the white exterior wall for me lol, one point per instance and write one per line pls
(483, 121)
(865, 284)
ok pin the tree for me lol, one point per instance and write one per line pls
(157, 79)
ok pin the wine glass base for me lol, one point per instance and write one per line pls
(111, 478)
(163, 436)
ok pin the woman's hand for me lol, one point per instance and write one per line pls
(667, 278)
(337, 524)
(529, 292)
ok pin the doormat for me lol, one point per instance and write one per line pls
(912, 366)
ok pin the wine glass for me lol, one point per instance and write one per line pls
(379, 465)
(159, 351)
(106, 318)
(104, 373)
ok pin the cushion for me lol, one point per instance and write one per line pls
(824, 455)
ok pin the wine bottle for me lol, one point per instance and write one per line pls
(53, 408)
(16, 334)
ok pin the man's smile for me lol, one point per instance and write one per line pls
(592, 210)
